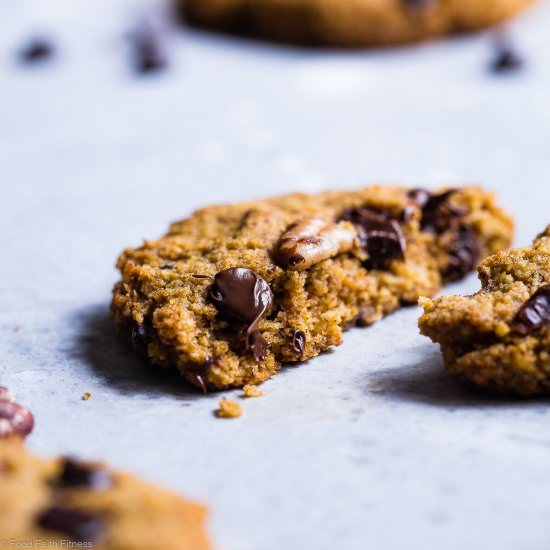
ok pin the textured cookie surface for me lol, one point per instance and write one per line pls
(349, 23)
(85, 503)
(499, 338)
(232, 292)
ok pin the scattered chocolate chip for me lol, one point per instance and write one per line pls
(77, 474)
(148, 53)
(534, 313)
(242, 294)
(380, 236)
(464, 254)
(298, 342)
(78, 525)
(37, 50)
(506, 59)
(438, 214)
(15, 420)
(6, 394)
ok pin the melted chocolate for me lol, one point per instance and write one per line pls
(438, 214)
(464, 254)
(534, 313)
(77, 474)
(242, 294)
(380, 236)
(78, 525)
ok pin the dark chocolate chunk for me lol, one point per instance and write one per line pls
(15, 420)
(37, 50)
(140, 336)
(298, 342)
(534, 313)
(148, 53)
(464, 254)
(438, 214)
(77, 474)
(380, 236)
(242, 294)
(78, 525)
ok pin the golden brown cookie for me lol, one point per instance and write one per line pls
(87, 503)
(349, 23)
(499, 338)
(232, 292)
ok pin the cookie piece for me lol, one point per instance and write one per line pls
(87, 503)
(232, 292)
(353, 23)
(499, 338)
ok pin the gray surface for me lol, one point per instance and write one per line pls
(370, 446)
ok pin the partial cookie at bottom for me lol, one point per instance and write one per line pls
(87, 503)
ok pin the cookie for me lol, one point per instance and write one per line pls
(499, 338)
(352, 23)
(233, 292)
(88, 505)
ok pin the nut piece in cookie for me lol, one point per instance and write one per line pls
(312, 240)
(499, 338)
(15, 420)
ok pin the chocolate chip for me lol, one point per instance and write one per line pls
(438, 214)
(37, 50)
(148, 54)
(464, 254)
(79, 525)
(242, 294)
(77, 474)
(167, 265)
(140, 336)
(506, 59)
(534, 313)
(15, 420)
(380, 236)
(298, 342)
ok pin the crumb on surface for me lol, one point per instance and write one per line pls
(229, 409)
(16, 328)
(86, 396)
(251, 390)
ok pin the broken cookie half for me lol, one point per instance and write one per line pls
(233, 292)
(499, 338)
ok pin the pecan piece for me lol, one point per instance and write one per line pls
(15, 420)
(311, 240)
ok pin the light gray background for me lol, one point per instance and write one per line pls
(370, 446)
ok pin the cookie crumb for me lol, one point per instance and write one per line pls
(16, 328)
(250, 390)
(37, 50)
(229, 409)
(86, 396)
